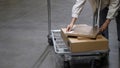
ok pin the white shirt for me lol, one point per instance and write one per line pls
(112, 5)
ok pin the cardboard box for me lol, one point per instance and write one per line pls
(82, 44)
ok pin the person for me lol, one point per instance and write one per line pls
(108, 11)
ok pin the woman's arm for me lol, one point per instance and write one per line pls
(112, 12)
(76, 10)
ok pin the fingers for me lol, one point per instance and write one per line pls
(102, 29)
(68, 28)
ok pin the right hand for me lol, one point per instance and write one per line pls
(69, 27)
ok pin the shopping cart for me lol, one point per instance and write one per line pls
(94, 58)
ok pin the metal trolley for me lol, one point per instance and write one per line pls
(93, 58)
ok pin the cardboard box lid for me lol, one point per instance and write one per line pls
(82, 30)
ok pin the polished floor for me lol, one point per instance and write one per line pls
(24, 30)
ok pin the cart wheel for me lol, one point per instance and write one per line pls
(105, 59)
(50, 41)
(95, 64)
(66, 64)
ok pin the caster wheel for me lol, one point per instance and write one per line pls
(66, 64)
(50, 41)
(105, 59)
(95, 64)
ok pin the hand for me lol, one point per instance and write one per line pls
(104, 26)
(69, 27)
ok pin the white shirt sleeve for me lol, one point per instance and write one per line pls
(113, 8)
(77, 8)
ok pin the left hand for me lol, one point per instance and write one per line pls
(104, 26)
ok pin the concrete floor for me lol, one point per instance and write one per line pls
(24, 30)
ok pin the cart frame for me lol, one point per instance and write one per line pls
(90, 57)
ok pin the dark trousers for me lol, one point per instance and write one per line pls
(118, 25)
(103, 14)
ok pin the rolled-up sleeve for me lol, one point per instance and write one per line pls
(77, 8)
(113, 8)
